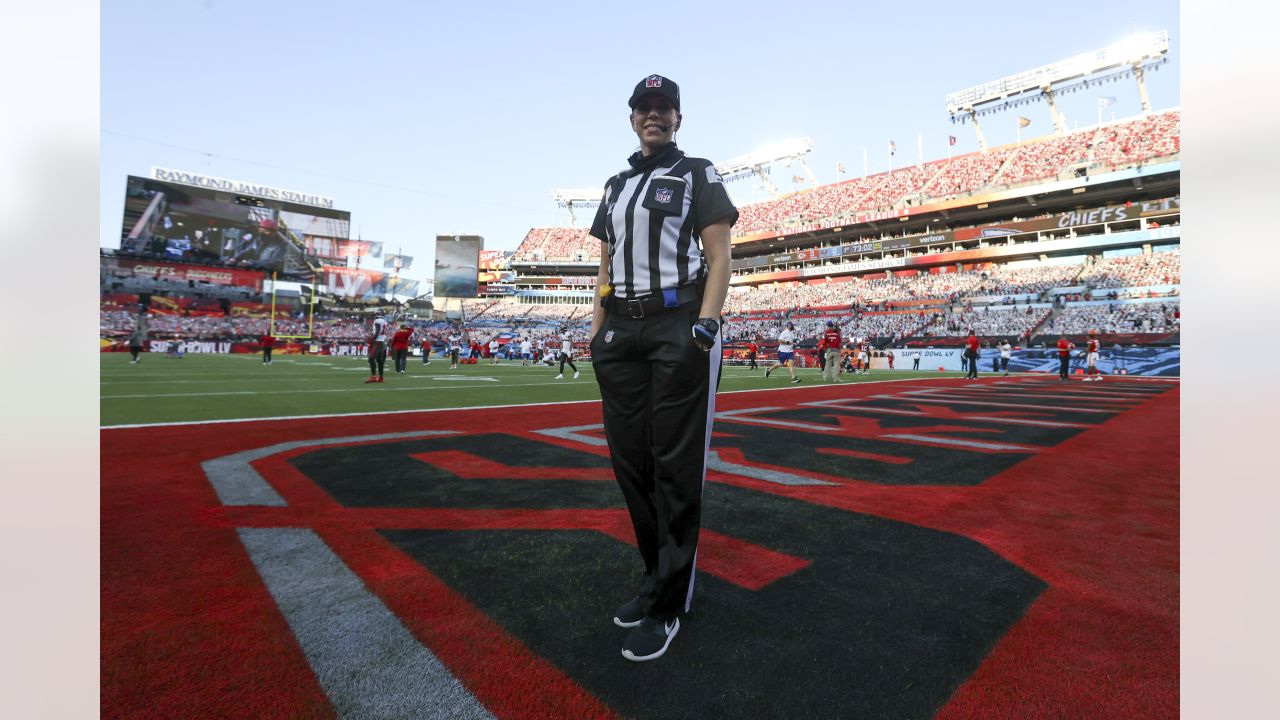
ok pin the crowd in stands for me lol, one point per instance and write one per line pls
(1129, 143)
(1112, 146)
(567, 244)
(879, 305)
(1151, 317)
(881, 290)
(993, 281)
(967, 173)
(868, 325)
(1047, 158)
(1005, 280)
(120, 322)
(986, 321)
(1163, 268)
(899, 184)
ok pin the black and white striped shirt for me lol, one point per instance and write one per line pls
(652, 216)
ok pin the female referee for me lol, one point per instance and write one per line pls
(664, 226)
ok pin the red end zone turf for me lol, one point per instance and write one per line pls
(1065, 604)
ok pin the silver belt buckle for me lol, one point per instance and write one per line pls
(635, 306)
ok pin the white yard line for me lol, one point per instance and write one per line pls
(420, 410)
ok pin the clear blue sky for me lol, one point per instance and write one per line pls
(428, 118)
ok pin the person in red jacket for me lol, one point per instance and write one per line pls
(1064, 357)
(830, 349)
(400, 348)
(971, 353)
(752, 350)
(267, 343)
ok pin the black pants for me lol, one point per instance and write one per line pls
(426, 356)
(822, 360)
(564, 358)
(266, 355)
(915, 365)
(752, 358)
(657, 389)
(402, 360)
(377, 358)
(134, 350)
(1004, 364)
(973, 366)
(1064, 366)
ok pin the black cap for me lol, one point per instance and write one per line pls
(656, 84)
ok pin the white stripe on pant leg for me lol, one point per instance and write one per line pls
(713, 384)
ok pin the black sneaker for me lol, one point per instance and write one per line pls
(795, 380)
(766, 373)
(629, 615)
(649, 639)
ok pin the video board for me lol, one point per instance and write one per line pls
(457, 265)
(183, 223)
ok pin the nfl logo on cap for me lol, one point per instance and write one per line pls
(662, 195)
(653, 81)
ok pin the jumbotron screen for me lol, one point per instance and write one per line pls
(170, 221)
(458, 265)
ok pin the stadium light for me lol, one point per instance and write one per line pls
(757, 162)
(569, 198)
(1129, 57)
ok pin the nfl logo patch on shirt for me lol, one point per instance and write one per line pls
(665, 195)
(608, 336)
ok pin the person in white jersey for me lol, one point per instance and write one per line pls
(566, 354)
(786, 353)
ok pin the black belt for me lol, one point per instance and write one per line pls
(653, 303)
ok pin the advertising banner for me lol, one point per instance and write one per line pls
(402, 287)
(391, 260)
(354, 282)
(196, 273)
(495, 259)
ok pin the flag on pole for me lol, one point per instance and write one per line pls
(840, 168)
(1023, 122)
(1105, 102)
(893, 147)
(797, 179)
(951, 140)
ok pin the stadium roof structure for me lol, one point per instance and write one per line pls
(1130, 57)
(757, 162)
(576, 197)
(754, 164)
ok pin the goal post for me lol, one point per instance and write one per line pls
(307, 293)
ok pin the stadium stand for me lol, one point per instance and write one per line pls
(1116, 318)
(558, 243)
(987, 321)
(967, 173)
(1108, 147)
(1132, 271)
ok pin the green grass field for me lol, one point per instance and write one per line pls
(221, 387)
